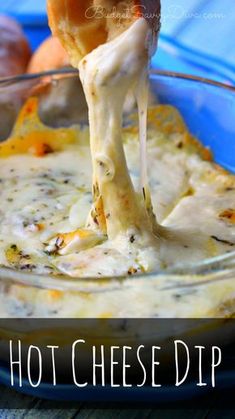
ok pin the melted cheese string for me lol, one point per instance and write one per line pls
(107, 75)
(142, 102)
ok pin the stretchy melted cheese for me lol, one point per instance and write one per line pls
(107, 74)
(46, 197)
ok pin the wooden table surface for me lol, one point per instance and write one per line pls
(40, 409)
(205, 25)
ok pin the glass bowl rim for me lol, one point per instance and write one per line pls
(7, 81)
(196, 273)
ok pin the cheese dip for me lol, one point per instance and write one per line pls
(122, 197)
(46, 177)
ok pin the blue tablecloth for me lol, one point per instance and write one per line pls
(197, 35)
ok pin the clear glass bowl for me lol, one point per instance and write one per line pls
(206, 289)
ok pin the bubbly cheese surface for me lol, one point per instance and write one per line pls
(45, 200)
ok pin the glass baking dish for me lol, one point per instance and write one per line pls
(209, 111)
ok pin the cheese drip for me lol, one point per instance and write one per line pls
(107, 74)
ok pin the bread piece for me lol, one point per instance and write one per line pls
(49, 56)
(83, 25)
(14, 48)
(14, 57)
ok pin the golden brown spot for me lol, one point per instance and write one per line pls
(41, 149)
(100, 215)
(55, 295)
(189, 192)
(40, 227)
(132, 271)
(228, 215)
